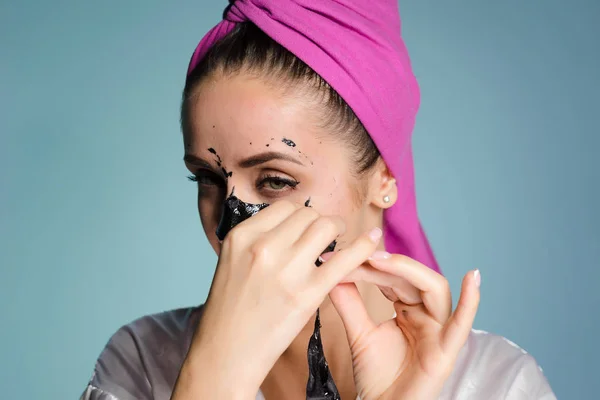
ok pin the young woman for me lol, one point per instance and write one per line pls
(297, 118)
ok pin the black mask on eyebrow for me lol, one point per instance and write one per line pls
(320, 385)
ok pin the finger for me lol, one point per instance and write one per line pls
(392, 286)
(399, 289)
(457, 329)
(318, 235)
(434, 288)
(416, 318)
(251, 230)
(345, 260)
(289, 230)
(389, 293)
(269, 217)
(350, 306)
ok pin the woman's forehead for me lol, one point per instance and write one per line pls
(241, 115)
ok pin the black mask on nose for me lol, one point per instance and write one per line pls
(234, 212)
(320, 385)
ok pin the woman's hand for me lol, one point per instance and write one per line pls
(265, 290)
(413, 354)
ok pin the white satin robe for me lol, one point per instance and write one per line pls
(142, 359)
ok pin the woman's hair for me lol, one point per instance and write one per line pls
(248, 49)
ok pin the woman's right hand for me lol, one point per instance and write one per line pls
(265, 289)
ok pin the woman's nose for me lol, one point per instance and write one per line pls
(236, 186)
(234, 211)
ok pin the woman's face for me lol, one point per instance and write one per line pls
(249, 135)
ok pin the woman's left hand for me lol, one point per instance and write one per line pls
(413, 354)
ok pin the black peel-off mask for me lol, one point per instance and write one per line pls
(234, 212)
(320, 385)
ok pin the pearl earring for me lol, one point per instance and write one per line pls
(386, 199)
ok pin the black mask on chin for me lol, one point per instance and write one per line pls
(320, 385)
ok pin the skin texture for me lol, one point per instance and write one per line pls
(266, 280)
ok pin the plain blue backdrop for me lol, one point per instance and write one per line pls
(98, 223)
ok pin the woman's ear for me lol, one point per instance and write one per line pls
(383, 191)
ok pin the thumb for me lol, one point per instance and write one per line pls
(457, 328)
(349, 304)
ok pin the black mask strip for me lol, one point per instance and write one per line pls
(320, 385)
(234, 212)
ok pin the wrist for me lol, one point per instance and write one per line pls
(199, 381)
(217, 374)
(417, 387)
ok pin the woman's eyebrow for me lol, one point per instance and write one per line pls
(196, 161)
(265, 157)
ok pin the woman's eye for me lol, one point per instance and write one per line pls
(206, 178)
(276, 184)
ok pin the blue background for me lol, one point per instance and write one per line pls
(98, 223)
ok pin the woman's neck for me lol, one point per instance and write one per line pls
(288, 377)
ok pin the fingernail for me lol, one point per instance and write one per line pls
(325, 256)
(477, 277)
(380, 255)
(375, 235)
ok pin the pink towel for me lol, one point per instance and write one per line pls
(356, 46)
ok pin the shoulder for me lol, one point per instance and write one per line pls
(142, 359)
(491, 366)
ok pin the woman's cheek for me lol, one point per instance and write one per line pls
(209, 217)
(355, 222)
